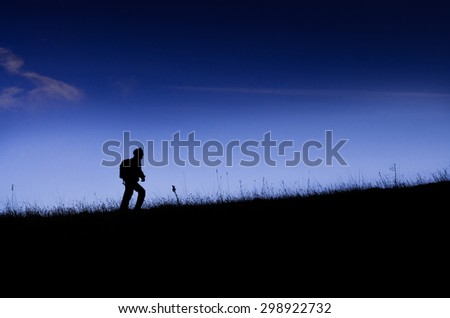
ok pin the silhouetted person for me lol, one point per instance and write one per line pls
(131, 172)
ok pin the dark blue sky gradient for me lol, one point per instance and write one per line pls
(374, 72)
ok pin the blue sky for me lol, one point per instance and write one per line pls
(76, 74)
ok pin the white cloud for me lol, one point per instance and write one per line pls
(125, 87)
(45, 88)
(304, 92)
(9, 98)
(11, 62)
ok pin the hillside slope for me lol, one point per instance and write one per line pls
(376, 242)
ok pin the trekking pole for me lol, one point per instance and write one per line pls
(174, 190)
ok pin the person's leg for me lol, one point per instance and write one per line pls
(127, 194)
(141, 196)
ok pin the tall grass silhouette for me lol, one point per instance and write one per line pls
(262, 191)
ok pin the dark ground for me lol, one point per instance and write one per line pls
(372, 243)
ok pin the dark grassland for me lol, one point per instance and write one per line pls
(375, 242)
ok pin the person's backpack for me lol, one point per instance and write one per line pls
(124, 170)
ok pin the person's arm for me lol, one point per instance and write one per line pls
(141, 174)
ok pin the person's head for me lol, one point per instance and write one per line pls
(138, 153)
